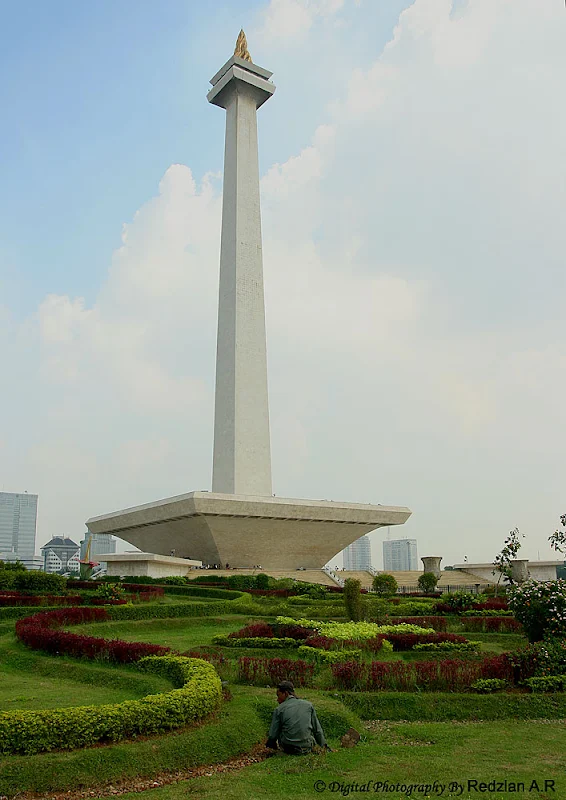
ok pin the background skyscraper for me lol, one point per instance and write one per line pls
(18, 518)
(357, 556)
(400, 555)
(99, 543)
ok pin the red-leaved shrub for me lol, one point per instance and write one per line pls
(274, 670)
(492, 624)
(251, 631)
(448, 674)
(42, 632)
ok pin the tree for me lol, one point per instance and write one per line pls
(384, 584)
(502, 561)
(558, 538)
(353, 599)
(427, 581)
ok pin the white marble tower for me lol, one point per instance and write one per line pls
(241, 522)
(242, 453)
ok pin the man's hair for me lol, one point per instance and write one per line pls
(286, 687)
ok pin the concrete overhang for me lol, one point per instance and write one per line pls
(245, 530)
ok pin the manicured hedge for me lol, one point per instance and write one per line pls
(492, 625)
(328, 656)
(23, 611)
(172, 610)
(15, 599)
(440, 707)
(274, 670)
(43, 632)
(30, 732)
(438, 623)
(256, 641)
(406, 641)
(448, 674)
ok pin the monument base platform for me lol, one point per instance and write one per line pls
(247, 531)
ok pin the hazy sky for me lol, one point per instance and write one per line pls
(413, 163)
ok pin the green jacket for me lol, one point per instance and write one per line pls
(295, 723)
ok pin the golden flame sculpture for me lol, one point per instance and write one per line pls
(241, 49)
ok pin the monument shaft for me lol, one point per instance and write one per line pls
(242, 452)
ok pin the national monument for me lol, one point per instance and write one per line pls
(241, 522)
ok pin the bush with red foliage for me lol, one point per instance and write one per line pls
(251, 631)
(497, 604)
(406, 641)
(274, 670)
(372, 645)
(42, 632)
(322, 642)
(492, 624)
(449, 674)
(350, 675)
(15, 599)
(292, 631)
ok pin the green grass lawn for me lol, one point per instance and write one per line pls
(181, 633)
(401, 753)
(32, 681)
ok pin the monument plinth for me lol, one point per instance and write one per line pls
(240, 522)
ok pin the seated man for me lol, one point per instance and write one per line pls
(294, 724)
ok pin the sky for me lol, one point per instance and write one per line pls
(413, 181)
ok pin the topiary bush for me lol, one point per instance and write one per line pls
(353, 599)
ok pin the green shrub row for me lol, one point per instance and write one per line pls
(487, 685)
(328, 656)
(444, 706)
(442, 647)
(256, 641)
(547, 683)
(13, 612)
(29, 732)
(150, 611)
(487, 612)
(202, 591)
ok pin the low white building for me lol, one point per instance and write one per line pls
(538, 570)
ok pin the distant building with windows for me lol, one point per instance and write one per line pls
(18, 520)
(357, 556)
(400, 555)
(61, 554)
(99, 543)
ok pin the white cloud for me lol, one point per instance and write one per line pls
(414, 285)
(285, 20)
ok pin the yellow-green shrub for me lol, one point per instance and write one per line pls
(29, 732)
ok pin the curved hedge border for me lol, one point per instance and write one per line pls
(42, 632)
(29, 732)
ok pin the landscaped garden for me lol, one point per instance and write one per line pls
(168, 688)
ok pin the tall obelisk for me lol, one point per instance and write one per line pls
(242, 452)
(240, 522)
